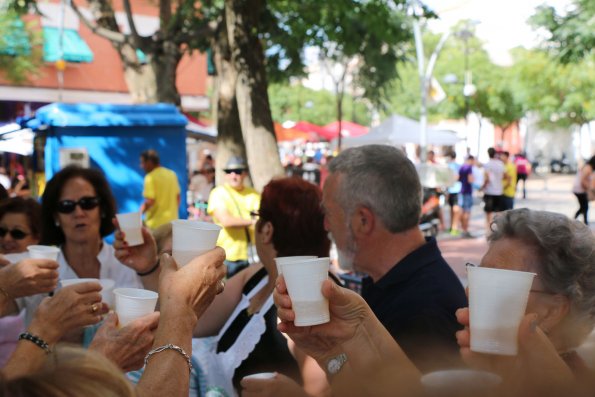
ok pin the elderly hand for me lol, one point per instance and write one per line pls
(193, 286)
(142, 257)
(126, 346)
(70, 308)
(280, 385)
(347, 312)
(537, 369)
(29, 277)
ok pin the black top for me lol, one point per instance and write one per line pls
(270, 353)
(416, 301)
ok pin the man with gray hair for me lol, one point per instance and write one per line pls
(372, 203)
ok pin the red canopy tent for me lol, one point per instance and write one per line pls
(309, 127)
(348, 129)
(292, 134)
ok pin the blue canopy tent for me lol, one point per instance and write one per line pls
(111, 138)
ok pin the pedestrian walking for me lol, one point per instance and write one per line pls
(583, 183)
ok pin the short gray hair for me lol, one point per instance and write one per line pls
(382, 179)
(565, 254)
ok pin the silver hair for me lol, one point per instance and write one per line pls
(382, 179)
(565, 254)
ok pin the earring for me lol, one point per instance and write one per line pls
(57, 223)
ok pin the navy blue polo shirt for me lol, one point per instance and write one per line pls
(416, 302)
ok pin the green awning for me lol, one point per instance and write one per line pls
(74, 47)
(14, 39)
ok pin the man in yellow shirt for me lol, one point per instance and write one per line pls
(161, 191)
(230, 205)
(508, 182)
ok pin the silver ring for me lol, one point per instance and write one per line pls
(221, 286)
(93, 308)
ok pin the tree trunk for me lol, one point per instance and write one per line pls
(251, 90)
(230, 141)
(140, 79)
(164, 62)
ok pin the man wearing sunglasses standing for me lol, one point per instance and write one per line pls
(230, 205)
(161, 191)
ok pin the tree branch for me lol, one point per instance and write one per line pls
(114, 37)
(135, 36)
(207, 30)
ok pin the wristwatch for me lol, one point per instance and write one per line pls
(334, 365)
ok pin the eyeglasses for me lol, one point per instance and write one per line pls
(86, 203)
(14, 233)
(254, 214)
(237, 172)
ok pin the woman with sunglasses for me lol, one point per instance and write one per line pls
(77, 212)
(18, 224)
(18, 229)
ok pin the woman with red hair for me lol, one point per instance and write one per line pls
(241, 323)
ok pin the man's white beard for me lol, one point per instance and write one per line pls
(345, 257)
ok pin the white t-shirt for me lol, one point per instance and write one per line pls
(110, 268)
(495, 171)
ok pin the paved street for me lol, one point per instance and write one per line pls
(550, 193)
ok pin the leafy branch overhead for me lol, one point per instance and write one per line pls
(570, 35)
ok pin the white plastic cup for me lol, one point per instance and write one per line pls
(497, 304)
(192, 238)
(287, 259)
(304, 284)
(71, 281)
(133, 303)
(107, 291)
(261, 375)
(131, 224)
(460, 383)
(43, 252)
(107, 287)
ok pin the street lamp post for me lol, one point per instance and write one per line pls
(425, 78)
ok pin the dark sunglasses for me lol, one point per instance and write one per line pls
(86, 203)
(237, 172)
(14, 233)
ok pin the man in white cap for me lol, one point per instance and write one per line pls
(230, 205)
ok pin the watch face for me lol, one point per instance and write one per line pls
(335, 364)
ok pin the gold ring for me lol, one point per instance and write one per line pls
(221, 286)
(93, 308)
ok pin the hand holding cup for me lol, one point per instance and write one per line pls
(70, 308)
(29, 277)
(140, 257)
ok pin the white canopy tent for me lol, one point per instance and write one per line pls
(13, 139)
(398, 130)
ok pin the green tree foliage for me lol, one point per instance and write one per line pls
(298, 103)
(20, 48)
(571, 36)
(561, 94)
(495, 98)
(375, 32)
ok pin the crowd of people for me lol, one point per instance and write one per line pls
(495, 182)
(227, 314)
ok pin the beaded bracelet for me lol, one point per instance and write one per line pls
(152, 270)
(37, 340)
(170, 346)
